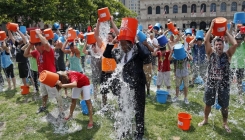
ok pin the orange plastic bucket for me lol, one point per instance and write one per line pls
(33, 37)
(128, 29)
(104, 14)
(24, 90)
(48, 33)
(2, 35)
(220, 26)
(80, 35)
(48, 78)
(71, 35)
(189, 39)
(184, 121)
(171, 26)
(90, 38)
(175, 31)
(12, 26)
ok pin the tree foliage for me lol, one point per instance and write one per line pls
(71, 12)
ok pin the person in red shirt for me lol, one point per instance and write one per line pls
(79, 84)
(163, 68)
(44, 55)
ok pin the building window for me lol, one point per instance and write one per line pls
(149, 11)
(175, 9)
(223, 7)
(233, 6)
(158, 10)
(184, 8)
(213, 7)
(203, 7)
(166, 9)
(193, 8)
(243, 6)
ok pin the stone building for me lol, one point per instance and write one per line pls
(187, 13)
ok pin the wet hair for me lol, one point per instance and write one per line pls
(72, 44)
(218, 40)
(63, 78)
(162, 48)
(113, 36)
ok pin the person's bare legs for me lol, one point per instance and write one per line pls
(177, 91)
(207, 110)
(72, 107)
(9, 83)
(90, 111)
(24, 81)
(185, 92)
(224, 113)
(104, 99)
(45, 99)
(14, 82)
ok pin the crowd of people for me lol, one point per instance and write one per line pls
(217, 60)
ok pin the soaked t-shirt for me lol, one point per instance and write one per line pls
(95, 66)
(238, 59)
(81, 79)
(199, 54)
(59, 60)
(182, 67)
(20, 53)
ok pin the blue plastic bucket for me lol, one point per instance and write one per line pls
(239, 18)
(85, 35)
(179, 52)
(216, 105)
(199, 34)
(170, 33)
(162, 96)
(77, 32)
(181, 87)
(199, 80)
(188, 31)
(228, 26)
(140, 27)
(62, 39)
(162, 40)
(23, 29)
(243, 86)
(141, 36)
(154, 78)
(56, 25)
(157, 26)
(84, 107)
(56, 37)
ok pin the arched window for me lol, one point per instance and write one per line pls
(223, 7)
(184, 8)
(213, 7)
(158, 10)
(175, 9)
(193, 8)
(149, 11)
(166, 9)
(203, 7)
(233, 6)
(243, 6)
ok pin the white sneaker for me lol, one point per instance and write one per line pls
(175, 99)
(186, 101)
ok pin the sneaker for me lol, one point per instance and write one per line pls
(186, 101)
(175, 99)
(41, 109)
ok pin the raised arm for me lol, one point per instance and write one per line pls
(66, 51)
(208, 47)
(44, 41)
(234, 44)
(191, 44)
(5, 47)
(114, 26)
(177, 38)
(24, 47)
(148, 46)
(96, 34)
(85, 48)
(27, 51)
(22, 36)
(11, 36)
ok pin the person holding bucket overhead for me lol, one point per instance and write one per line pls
(44, 55)
(181, 59)
(131, 55)
(218, 75)
(80, 85)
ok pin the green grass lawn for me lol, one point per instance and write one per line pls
(18, 120)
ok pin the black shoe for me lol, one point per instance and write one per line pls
(41, 109)
(139, 137)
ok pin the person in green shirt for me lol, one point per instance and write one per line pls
(238, 65)
(80, 46)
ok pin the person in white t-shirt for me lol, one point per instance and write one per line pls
(154, 43)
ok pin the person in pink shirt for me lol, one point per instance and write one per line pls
(44, 55)
(79, 84)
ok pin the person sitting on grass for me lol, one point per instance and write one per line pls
(218, 76)
(79, 84)
(181, 73)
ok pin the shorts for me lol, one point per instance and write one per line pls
(23, 70)
(163, 76)
(199, 69)
(76, 92)
(108, 83)
(223, 96)
(47, 90)
(179, 80)
(239, 73)
(154, 62)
